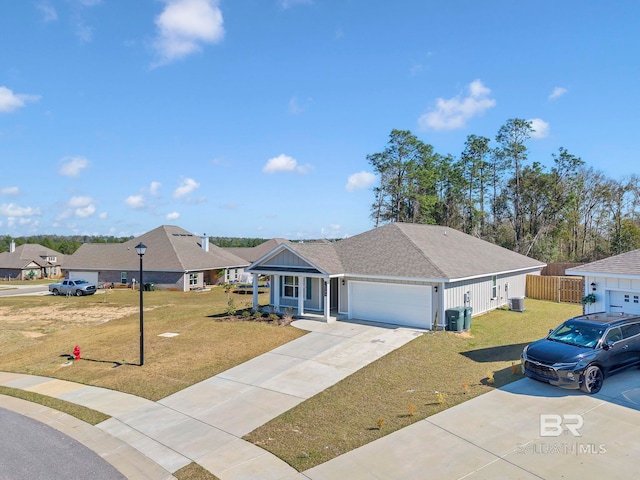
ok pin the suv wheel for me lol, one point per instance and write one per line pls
(593, 379)
(78, 293)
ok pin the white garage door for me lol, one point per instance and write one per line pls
(408, 305)
(627, 302)
(91, 277)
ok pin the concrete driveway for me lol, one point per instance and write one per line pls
(503, 435)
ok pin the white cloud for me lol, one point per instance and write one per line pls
(540, 128)
(103, 215)
(293, 3)
(135, 201)
(296, 108)
(13, 191)
(453, 113)
(557, 93)
(10, 102)
(13, 210)
(85, 211)
(187, 186)
(72, 166)
(285, 163)
(49, 13)
(173, 216)
(184, 25)
(360, 180)
(155, 186)
(76, 202)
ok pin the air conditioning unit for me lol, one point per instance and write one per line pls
(516, 304)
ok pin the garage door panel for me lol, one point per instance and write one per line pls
(627, 302)
(91, 277)
(399, 304)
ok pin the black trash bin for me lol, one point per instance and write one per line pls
(467, 318)
(455, 319)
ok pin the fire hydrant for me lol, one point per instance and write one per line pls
(76, 352)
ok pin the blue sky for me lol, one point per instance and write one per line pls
(254, 118)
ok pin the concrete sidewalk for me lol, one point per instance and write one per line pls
(205, 422)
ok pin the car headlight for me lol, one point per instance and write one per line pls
(565, 365)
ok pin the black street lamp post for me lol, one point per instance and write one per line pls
(141, 249)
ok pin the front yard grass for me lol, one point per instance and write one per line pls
(106, 327)
(431, 373)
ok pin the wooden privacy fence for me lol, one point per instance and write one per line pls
(556, 289)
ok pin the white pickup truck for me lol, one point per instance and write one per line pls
(73, 287)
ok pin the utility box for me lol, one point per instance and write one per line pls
(516, 304)
(455, 319)
(467, 318)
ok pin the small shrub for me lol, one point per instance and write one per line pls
(490, 379)
(231, 307)
(274, 318)
(515, 368)
(380, 423)
(412, 409)
(440, 397)
(465, 388)
(246, 314)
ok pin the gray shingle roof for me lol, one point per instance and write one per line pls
(404, 250)
(427, 251)
(169, 249)
(251, 254)
(624, 264)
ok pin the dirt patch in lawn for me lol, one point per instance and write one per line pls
(34, 322)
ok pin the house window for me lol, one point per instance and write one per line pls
(193, 279)
(235, 274)
(290, 287)
(494, 287)
(123, 278)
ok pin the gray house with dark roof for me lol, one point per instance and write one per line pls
(175, 259)
(30, 261)
(400, 273)
(614, 281)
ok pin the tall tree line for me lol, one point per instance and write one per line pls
(565, 212)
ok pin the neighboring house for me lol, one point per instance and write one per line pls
(30, 261)
(175, 259)
(400, 273)
(251, 254)
(613, 281)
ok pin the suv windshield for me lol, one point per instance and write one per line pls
(578, 334)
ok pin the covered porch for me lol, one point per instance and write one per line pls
(311, 296)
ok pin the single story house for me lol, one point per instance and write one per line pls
(251, 254)
(400, 273)
(30, 261)
(613, 282)
(174, 259)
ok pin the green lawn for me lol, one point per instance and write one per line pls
(429, 374)
(37, 334)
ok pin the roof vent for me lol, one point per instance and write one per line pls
(205, 242)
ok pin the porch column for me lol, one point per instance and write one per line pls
(276, 292)
(255, 291)
(327, 301)
(301, 295)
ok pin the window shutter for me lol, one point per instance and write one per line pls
(308, 289)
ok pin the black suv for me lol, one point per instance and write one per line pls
(583, 350)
